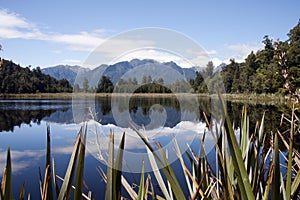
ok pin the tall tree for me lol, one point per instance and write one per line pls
(209, 70)
(246, 73)
(105, 85)
(85, 85)
(228, 73)
(292, 58)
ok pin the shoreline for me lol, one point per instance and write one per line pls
(233, 97)
(71, 95)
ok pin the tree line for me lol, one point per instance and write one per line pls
(16, 79)
(131, 85)
(275, 69)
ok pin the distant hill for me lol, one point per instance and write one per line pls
(16, 79)
(136, 68)
(64, 72)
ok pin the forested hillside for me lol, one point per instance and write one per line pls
(16, 79)
(274, 69)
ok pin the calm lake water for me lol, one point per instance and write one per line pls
(23, 125)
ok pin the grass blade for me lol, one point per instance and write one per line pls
(55, 179)
(8, 194)
(141, 193)
(157, 174)
(66, 187)
(295, 184)
(235, 151)
(48, 163)
(183, 167)
(165, 166)
(128, 188)
(170, 175)
(261, 131)
(46, 183)
(109, 173)
(276, 182)
(117, 171)
(269, 181)
(80, 165)
(290, 159)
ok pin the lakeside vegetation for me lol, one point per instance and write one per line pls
(271, 72)
(246, 167)
(15, 79)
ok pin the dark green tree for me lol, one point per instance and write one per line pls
(246, 73)
(209, 70)
(85, 85)
(228, 73)
(105, 85)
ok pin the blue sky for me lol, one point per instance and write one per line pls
(46, 33)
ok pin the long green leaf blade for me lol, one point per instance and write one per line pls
(276, 182)
(66, 187)
(55, 179)
(235, 151)
(110, 165)
(170, 175)
(141, 193)
(296, 183)
(48, 163)
(8, 194)
(167, 170)
(117, 171)
(80, 166)
(290, 160)
(157, 174)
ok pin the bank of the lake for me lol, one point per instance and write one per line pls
(231, 97)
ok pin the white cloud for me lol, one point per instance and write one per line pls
(18, 161)
(240, 51)
(12, 20)
(13, 26)
(82, 41)
(218, 61)
(202, 53)
(237, 51)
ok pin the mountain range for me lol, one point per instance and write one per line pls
(135, 68)
(64, 72)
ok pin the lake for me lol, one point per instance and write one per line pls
(23, 125)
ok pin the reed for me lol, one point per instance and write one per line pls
(248, 167)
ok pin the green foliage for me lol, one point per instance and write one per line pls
(15, 79)
(64, 192)
(274, 69)
(152, 88)
(85, 85)
(105, 85)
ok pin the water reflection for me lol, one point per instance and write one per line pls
(17, 112)
(28, 143)
(141, 111)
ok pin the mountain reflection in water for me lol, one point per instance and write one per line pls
(16, 112)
